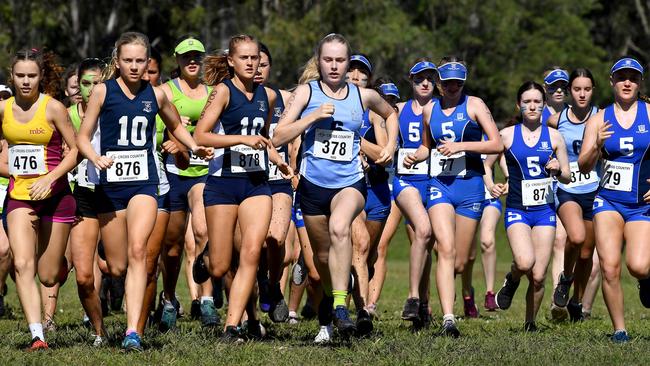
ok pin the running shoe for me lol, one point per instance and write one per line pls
(325, 312)
(132, 342)
(411, 309)
(530, 327)
(278, 311)
(299, 272)
(37, 345)
(253, 330)
(168, 317)
(469, 305)
(372, 310)
(490, 302)
(620, 336)
(561, 293)
(644, 292)
(342, 321)
(324, 335)
(209, 315)
(195, 309)
(86, 321)
(507, 292)
(293, 318)
(217, 292)
(49, 325)
(424, 315)
(232, 334)
(449, 329)
(117, 293)
(265, 295)
(558, 314)
(575, 311)
(586, 314)
(99, 341)
(364, 323)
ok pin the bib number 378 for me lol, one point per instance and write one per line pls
(334, 145)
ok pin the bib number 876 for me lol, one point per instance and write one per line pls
(127, 168)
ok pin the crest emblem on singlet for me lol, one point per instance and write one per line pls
(641, 129)
(545, 145)
(277, 112)
(262, 105)
(147, 106)
(356, 115)
(460, 116)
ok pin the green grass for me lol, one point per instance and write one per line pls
(495, 337)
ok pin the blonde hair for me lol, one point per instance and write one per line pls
(332, 37)
(216, 68)
(310, 71)
(111, 71)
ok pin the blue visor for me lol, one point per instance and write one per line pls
(389, 89)
(452, 71)
(555, 76)
(363, 60)
(627, 63)
(421, 66)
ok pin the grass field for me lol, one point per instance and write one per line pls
(494, 338)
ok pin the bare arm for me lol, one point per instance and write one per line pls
(554, 120)
(593, 139)
(423, 151)
(482, 115)
(172, 119)
(377, 104)
(562, 157)
(88, 126)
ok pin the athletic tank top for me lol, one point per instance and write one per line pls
(275, 177)
(79, 175)
(241, 117)
(376, 174)
(75, 118)
(410, 138)
(626, 164)
(330, 149)
(126, 131)
(572, 134)
(190, 108)
(529, 182)
(456, 127)
(35, 148)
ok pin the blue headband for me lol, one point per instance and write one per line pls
(421, 66)
(555, 76)
(389, 89)
(627, 63)
(363, 60)
(452, 71)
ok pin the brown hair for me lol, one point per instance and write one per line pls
(526, 86)
(51, 71)
(310, 71)
(216, 68)
(111, 70)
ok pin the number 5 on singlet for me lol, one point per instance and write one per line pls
(27, 160)
(333, 145)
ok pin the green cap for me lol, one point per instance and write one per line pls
(188, 45)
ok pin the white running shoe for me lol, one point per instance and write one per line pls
(99, 341)
(324, 335)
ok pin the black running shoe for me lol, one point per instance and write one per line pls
(424, 317)
(644, 292)
(265, 294)
(561, 293)
(231, 335)
(449, 329)
(200, 271)
(575, 311)
(278, 311)
(343, 322)
(411, 309)
(253, 330)
(364, 323)
(195, 309)
(507, 292)
(325, 311)
(117, 293)
(104, 294)
(530, 327)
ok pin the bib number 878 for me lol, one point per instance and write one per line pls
(248, 160)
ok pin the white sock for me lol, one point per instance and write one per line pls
(37, 330)
(207, 298)
(448, 317)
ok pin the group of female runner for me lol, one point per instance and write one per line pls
(216, 162)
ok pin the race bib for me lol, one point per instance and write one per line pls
(82, 175)
(441, 165)
(334, 145)
(488, 195)
(535, 192)
(419, 168)
(274, 171)
(617, 176)
(195, 160)
(128, 166)
(578, 179)
(245, 159)
(27, 160)
(3, 195)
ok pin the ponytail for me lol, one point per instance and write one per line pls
(111, 71)
(216, 69)
(51, 71)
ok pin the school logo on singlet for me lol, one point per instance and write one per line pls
(277, 112)
(37, 131)
(357, 115)
(545, 146)
(460, 116)
(476, 207)
(641, 129)
(147, 106)
(262, 105)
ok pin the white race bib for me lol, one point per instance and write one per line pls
(27, 160)
(618, 176)
(578, 179)
(454, 165)
(245, 159)
(128, 166)
(334, 145)
(419, 168)
(195, 160)
(82, 175)
(3, 195)
(535, 192)
(274, 171)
